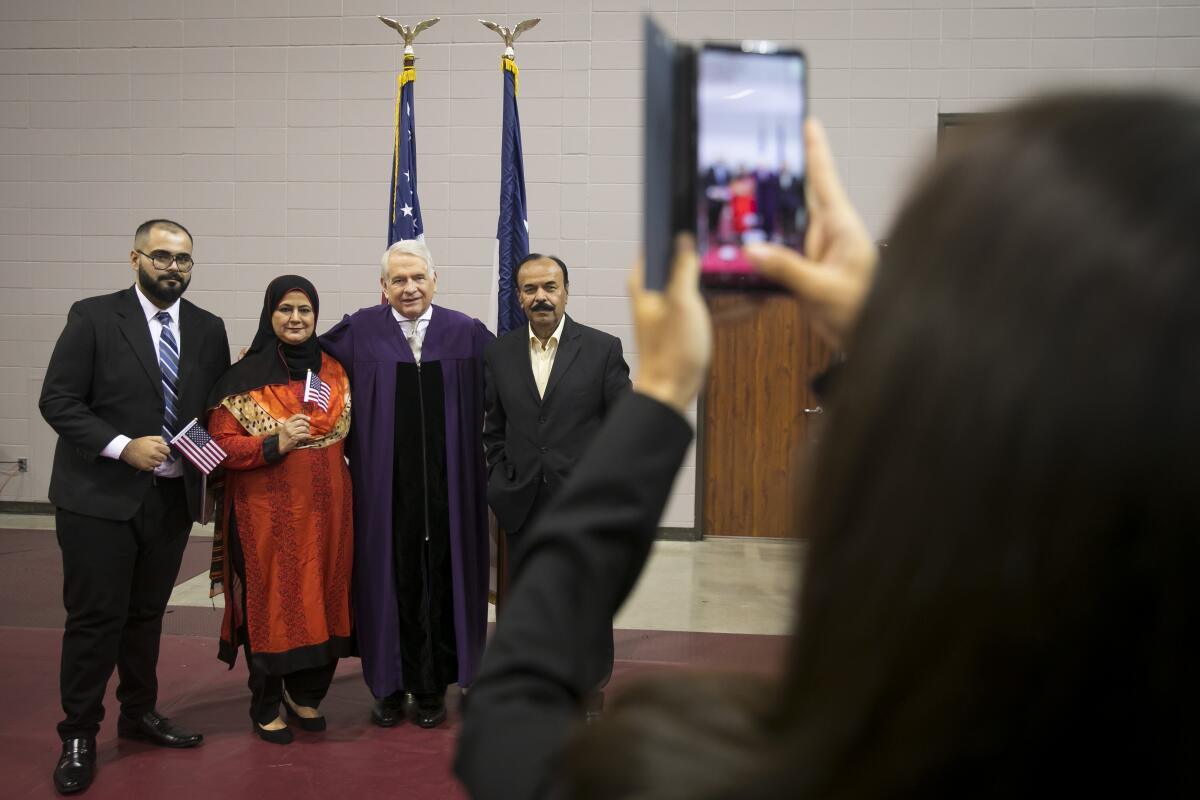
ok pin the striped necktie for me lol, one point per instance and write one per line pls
(415, 340)
(168, 364)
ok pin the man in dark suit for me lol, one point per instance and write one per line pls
(791, 205)
(128, 372)
(548, 388)
(766, 197)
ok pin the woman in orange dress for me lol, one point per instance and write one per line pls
(284, 557)
(744, 205)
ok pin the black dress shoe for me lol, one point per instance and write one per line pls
(76, 766)
(156, 729)
(429, 711)
(281, 736)
(314, 724)
(388, 711)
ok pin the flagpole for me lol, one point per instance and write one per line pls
(403, 122)
(306, 404)
(512, 227)
(404, 209)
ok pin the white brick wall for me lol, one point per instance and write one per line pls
(265, 126)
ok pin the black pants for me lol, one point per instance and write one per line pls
(117, 578)
(425, 605)
(306, 687)
(714, 220)
(601, 648)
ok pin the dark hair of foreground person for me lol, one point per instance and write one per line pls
(1003, 515)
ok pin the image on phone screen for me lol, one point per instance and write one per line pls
(750, 157)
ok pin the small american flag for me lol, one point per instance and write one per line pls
(197, 444)
(316, 391)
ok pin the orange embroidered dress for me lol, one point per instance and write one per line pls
(292, 516)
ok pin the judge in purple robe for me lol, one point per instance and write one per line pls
(420, 580)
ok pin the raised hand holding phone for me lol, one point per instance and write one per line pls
(724, 155)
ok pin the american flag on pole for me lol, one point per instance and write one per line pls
(512, 229)
(195, 442)
(316, 390)
(404, 209)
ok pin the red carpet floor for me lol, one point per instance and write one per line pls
(352, 759)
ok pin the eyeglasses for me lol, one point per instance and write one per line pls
(163, 260)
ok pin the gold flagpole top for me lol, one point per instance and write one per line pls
(510, 36)
(409, 34)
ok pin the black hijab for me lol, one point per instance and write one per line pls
(270, 361)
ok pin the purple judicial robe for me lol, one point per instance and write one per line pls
(369, 343)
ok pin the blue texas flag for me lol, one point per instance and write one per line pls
(512, 229)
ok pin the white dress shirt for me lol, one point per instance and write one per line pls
(173, 467)
(414, 329)
(542, 356)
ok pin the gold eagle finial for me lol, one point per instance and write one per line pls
(407, 33)
(510, 35)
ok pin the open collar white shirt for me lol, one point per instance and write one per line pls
(541, 357)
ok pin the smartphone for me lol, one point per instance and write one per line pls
(750, 106)
(724, 155)
(669, 147)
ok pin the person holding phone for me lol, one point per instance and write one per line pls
(285, 545)
(998, 594)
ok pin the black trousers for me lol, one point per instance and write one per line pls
(714, 219)
(306, 687)
(601, 649)
(425, 605)
(117, 578)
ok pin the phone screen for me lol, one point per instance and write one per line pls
(750, 109)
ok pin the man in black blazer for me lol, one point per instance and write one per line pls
(549, 386)
(130, 369)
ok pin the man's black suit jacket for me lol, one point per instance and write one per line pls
(103, 380)
(530, 440)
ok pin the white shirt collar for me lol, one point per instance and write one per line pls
(556, 336)
(426, 316)
(150, 310)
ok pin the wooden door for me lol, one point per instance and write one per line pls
(754, 416)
